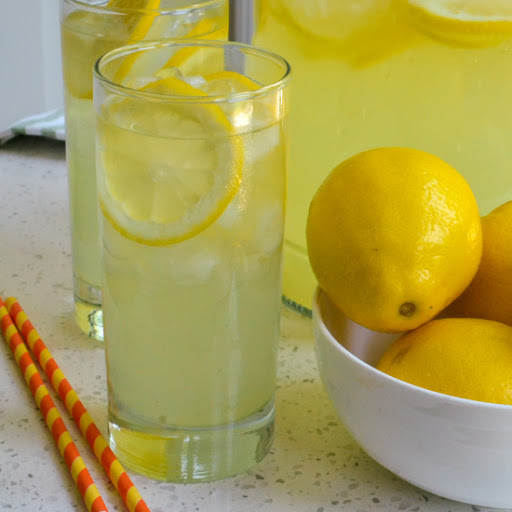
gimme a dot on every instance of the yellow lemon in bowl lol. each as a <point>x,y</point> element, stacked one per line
<point>393,236</point>
<point>463,357</point>
<point>489,294</point>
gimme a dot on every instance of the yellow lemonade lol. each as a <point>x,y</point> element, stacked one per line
<point>191,180</point>
<point>89,29</point>
<point>434,75</point>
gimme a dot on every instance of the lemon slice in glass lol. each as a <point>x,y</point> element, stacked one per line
<point>474,23</point>
<point>86,35</point>
<point>139,22</point>
<point>167,170</point>
<point>205,29</point>
<point>189,59</point>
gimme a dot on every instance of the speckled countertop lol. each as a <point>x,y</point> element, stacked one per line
<point>314,466</point>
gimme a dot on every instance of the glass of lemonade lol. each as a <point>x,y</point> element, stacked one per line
<point>90,28</point>
<point>434,75</point>
<point>191,172</point>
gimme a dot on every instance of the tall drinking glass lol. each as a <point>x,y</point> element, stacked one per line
<point>191,178</point>
<point>90,28</point>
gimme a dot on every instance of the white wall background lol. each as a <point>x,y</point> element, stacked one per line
<point>30,58</point>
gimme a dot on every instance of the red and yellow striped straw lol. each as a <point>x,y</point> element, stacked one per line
<point>54,422</point>
<point>89,430</point>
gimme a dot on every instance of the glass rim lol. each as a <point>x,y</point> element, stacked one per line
<point>184,6</point>
<point>124,90</point>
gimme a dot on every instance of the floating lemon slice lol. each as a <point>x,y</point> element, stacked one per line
<point>189,59</point>
<point>205,29</point>
<point>475,23</point>
<point>166,187</point>
<point>139,22</point>
<point>333,20</point>
<point>86,35</point>
<point>362,32</point>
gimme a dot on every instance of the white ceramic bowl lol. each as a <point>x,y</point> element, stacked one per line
<point>456,448</point>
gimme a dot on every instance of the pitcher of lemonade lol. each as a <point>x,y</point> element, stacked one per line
<point>434,75</point>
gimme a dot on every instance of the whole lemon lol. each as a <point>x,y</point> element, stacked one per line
<point>393,236</point>
<point>489,294</point>
<point>464,357</point>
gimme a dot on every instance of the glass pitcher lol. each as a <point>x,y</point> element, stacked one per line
<point>434,75</point>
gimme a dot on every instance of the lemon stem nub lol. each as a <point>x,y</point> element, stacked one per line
<point>407,309</point>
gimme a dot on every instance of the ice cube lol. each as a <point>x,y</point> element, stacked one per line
<point>193,268</point>
<point>268,232</point>
<point>170,72</point>
<point>196,81</point>
<point>231,215</point>
<point>141,81</point>
<point>222,87</point>
<point>264,141</point>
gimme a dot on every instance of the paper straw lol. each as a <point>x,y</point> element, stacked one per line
<point>89,430</point>
<point>54,422</point>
